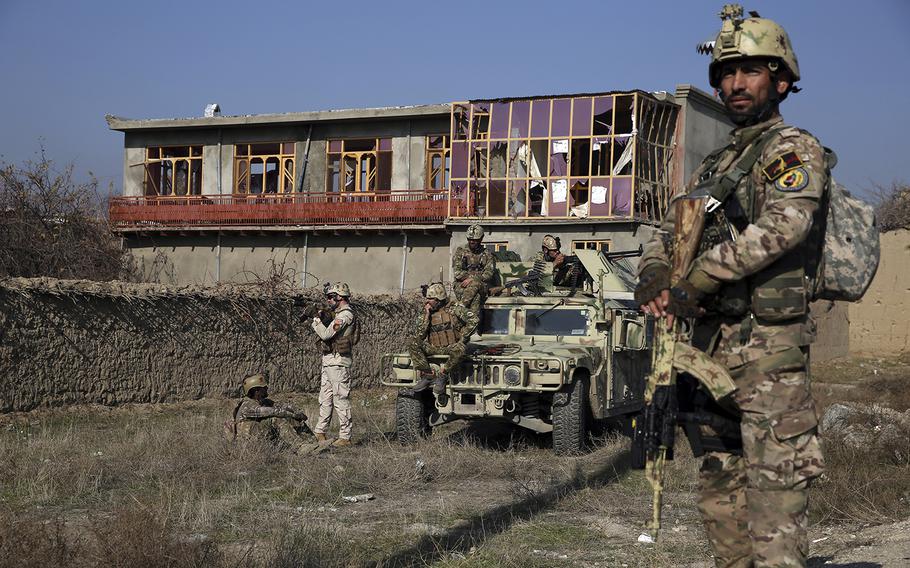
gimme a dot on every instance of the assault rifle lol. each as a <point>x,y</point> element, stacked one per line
<point>311,309</point>
<point>655,427</point>
<point>528,285</point>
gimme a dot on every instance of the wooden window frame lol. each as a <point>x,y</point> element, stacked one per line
<point>496,246</point>
<point>604,245</point>
<point>243,161</point>
<point>445,158</point>
<point>367,179</point>
<point>155,157</point>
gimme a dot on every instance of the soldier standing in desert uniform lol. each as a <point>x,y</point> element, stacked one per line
<point>443,328</point>
<point>258,417</point>
<point>747,291</point>
<point>337,339</point>
<point>472,267</point>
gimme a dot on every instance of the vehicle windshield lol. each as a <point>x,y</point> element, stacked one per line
<point>495,322</point>
<point>548,321</point>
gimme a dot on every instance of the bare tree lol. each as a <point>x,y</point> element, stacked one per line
<point>50,225</point>
<point>892,209</point>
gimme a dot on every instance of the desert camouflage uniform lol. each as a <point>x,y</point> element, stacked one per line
<point>464,323</point>
<point>274,422</point>
<point>755,505</point>
<point>479,268</point>
<point>335,388</point>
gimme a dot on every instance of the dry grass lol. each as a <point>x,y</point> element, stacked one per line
<point>156,486</point>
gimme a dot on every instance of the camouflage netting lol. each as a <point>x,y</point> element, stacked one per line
<point>69,341</point>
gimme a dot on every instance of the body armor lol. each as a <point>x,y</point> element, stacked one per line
<point>342,343</point>
<point>473,262</point>
<point>775,294</point>
<point>442,330</point>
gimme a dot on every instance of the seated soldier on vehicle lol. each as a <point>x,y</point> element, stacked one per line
<point>257,417</point>
<point>442,329</point>
<point>566,269</point>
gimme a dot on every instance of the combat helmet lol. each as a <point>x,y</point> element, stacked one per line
<point>254,381</point>
<point>550,242</point>
<point>755,36</point>
<point>475,232</point>
<point>436,291</point>
<point>340,288</point>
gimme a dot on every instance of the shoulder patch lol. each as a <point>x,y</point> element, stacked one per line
<point>794,180</point>
<point>781,164</point>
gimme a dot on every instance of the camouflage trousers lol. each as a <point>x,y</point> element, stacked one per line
<point>285,433</point>
<point>420,350</point>
<point>334,398</point>
<point>471,296</point>
<point>755,506</point>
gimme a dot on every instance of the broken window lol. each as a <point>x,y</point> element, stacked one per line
<point>359,165</point>
<point>496,246</point>
<point>439,162</point>
<point>563,157</point>
<point>264,168</point>
<point>173,170</point>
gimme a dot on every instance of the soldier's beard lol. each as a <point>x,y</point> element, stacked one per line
<point>754,114</point>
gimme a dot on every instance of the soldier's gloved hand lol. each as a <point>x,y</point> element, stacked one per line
<point>653,280</point>
<point>299,415</point>
<point>684,298</point>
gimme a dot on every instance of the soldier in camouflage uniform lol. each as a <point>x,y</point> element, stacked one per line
<point>472,268</point>
<point>549,252</point>
<point>258,417</point>
<point>337,339</point>
<point>442,329</point>
<point>747,291</point>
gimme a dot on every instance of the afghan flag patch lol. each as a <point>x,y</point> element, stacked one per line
<point>781,164</point>
<point>794,180</point>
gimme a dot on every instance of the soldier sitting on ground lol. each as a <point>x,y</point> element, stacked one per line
<point>442,329</point>
<point>257,417</point>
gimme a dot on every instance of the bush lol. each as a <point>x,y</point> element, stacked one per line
<point>893,206</point>
<point>50,225</point>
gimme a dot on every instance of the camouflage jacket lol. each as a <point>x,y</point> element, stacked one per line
<point>784,188</point>
<point>249,409</point>
<point>467,322</point>
<point>466,263</point>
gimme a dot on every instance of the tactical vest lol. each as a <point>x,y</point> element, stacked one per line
<point>442,329</point>
<point>779,292</point>
<point>343,343</point>
<point>473,262</point>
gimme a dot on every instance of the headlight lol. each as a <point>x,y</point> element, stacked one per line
<point>512,375</point>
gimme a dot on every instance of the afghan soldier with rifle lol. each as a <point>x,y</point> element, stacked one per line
<point>735,257</point>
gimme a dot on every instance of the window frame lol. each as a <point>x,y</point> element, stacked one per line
<point>193,159</point>
<point>286,155</point>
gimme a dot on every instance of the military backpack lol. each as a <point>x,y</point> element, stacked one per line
<point>850,247</point>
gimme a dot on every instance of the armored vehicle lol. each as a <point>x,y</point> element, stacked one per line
<point>545,357</point>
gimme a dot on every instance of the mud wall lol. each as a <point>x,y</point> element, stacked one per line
<point>65,342</point>
<point>880,322</point>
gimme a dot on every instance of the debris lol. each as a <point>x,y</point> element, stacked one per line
<point>645,538</point>
<point>820,539</point>
<point>359,498</point>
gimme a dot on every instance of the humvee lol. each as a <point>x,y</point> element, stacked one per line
<point>547,358</point>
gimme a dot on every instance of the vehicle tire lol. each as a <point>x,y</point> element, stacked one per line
<point>570,418</point>
<point>412,418</point>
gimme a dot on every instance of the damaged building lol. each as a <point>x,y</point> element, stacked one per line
<point>381,197</point>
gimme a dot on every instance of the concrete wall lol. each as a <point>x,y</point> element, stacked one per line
<point>408,143</point>
<point>703,127</point>
<point>369,262</point>
<point>880,322</point>
<point>77,342</point>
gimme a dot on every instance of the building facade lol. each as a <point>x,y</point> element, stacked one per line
<point>381,197</point>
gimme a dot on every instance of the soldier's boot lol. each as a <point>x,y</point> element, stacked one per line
<point>426,379</point>
<point>342,442</point>
<point>439,389</point>
<point>320,437</point>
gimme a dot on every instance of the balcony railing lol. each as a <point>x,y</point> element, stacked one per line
<point>395,207</point>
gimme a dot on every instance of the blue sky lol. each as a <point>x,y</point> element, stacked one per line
<point>66,64</point>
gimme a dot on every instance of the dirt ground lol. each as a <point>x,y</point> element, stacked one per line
<point>474,494</point>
